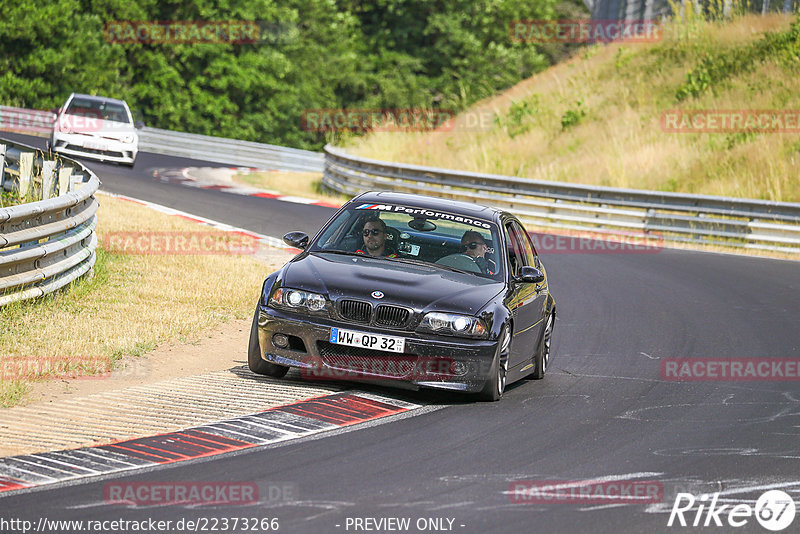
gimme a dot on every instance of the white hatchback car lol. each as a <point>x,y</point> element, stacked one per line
<point>96,127</point>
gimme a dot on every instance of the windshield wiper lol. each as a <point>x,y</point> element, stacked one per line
<point>429,264</point>
<point>334,251</point>
<point>348,253</point>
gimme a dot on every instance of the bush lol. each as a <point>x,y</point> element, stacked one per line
<point>573,116</point>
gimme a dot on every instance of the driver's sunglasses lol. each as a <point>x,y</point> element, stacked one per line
<point>374,231</point>
<point>476,244</point>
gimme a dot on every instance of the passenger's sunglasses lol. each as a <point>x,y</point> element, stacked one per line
<point>475,244</point>
<point>374,231</point>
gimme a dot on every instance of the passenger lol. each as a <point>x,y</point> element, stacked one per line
<point>474,246</point>
<point>374,233</point>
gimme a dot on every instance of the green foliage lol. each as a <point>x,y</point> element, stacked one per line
<point>714,68</point>
<point>318,54</point>
<point>573,116</point>
<point>622,58</point>
<point>731,140</point>
<point>8,198</point>
<point>515,121</point>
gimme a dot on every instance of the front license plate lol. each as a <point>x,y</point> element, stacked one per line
<point>368,341</point>
<point>94,145</point>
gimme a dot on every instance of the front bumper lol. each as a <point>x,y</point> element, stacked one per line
<point>428,361</point>
<point>100,148</point>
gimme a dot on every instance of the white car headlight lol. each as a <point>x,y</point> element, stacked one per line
<point>127,139</point>
<point>453,324</point>
<point>297,299</point>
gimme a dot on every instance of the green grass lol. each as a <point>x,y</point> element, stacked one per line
<point>130,305</point>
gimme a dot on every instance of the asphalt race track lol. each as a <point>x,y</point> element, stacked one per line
<point>257,214</point>
<point>603,412</point>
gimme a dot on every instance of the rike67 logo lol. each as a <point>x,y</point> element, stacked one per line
<point>774,510</point>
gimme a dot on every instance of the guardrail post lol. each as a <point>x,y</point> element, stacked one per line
<point>25,173</point>
<point>64,182</point>
<point>48,177</point>
<point>2,166</point>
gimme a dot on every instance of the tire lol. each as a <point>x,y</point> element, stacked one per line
<point>542,358</point>
<point>496,384</point>
<point>255,362</point>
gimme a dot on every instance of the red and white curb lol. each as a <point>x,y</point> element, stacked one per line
<point>275,425</point>
<point>183,176</point>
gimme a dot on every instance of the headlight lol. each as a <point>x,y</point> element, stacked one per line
<point>297,299</point>
<point>452,324</point>
<point>127,139</point>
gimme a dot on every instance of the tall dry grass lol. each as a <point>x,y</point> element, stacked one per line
<point>132,303</point>
<point>595,119</point>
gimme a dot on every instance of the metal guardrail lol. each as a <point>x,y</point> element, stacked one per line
<point>171,143</point>
<point>44,244</point>
<point>748,223</point>
<point>30,121</point>
<point>231,151</point>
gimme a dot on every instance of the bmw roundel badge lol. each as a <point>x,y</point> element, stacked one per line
<point>377,294</point>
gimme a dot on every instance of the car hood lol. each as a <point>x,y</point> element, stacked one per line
<point>97,127</point>
<point>420,287</point>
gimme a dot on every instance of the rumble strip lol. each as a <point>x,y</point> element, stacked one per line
<point>279,424</point>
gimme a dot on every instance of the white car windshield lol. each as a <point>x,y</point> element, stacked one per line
<point>98,109</point>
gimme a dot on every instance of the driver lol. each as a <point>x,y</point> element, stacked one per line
<point>474,246</point>
<point>374,234</point>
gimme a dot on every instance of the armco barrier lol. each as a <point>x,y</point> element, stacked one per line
<point>168,142</point>
<point>46,243</point>
<point>748,223</point>
<point>229,151</point>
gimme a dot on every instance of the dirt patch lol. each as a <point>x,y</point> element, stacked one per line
<point>216,349</point>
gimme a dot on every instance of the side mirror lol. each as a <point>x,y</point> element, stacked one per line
<point>138,125</point>
<point>296,240</point>
<point>530,275</point>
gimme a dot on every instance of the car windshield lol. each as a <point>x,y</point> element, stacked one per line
<point>447,241</point>
<point>98,109</point>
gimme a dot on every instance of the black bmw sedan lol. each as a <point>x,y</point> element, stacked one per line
<point>410,291</point>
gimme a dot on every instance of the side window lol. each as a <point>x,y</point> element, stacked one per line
<point>526,246</point>
<point>529,240</point>
<point>334,235</point>
<point>515,254</point>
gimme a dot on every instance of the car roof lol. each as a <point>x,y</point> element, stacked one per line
<point>432,203</point>
<point>99,98</point>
